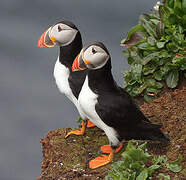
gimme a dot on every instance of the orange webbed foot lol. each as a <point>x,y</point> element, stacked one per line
<point>78,132</point>
<point>90,124</point>
<point>107,149</point>
<point>101,161</point>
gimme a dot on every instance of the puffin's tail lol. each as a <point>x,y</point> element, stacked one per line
<point>149,131</point>
<point>145,130</point>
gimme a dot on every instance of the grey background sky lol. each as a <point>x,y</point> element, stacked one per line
<point>30,104</point>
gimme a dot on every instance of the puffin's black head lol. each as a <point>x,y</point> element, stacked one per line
<point>62,34</point>
<point>93,56</point>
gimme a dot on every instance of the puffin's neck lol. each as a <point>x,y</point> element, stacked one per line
<point>68,53</point>
<point>101,80</point>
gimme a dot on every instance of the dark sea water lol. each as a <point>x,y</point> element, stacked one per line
<point>30,103</point>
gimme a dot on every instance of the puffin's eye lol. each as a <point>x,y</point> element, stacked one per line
<point>59,28</point>
<point>94,51</point>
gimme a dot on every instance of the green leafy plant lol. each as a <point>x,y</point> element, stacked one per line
<point>163,161</point>
<point>138,164</point>
<point>162,176</point>
<point>156,50</point>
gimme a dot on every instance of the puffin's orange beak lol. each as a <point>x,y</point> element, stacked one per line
<point>78,64</point>
<point>45,41</point>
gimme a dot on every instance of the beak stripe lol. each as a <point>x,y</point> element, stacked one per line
<point>78,67</point>
<point>78,64</point>
<point>41,43</point>
<point>45,41</point>
<point>74,65</point>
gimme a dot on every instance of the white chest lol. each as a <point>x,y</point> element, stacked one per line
<point>61,75</point>
<point>87,99</point>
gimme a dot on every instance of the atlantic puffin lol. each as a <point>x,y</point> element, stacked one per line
<point>108,106</point>
<point>67,36</point>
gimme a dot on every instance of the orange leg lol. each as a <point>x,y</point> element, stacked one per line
<point>107,148</point>
<point>101,160</point>
<point>90,124</point>
<point>78,132</point>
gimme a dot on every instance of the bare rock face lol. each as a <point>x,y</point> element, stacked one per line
<point>68,158</point>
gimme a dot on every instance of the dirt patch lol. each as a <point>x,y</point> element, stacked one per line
<point>170,110</point>
<point>68,158</point>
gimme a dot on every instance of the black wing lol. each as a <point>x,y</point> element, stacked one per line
<point>117,109</point>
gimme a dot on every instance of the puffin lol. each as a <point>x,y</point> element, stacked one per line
<point>67,36</point>
<point>108,106</point>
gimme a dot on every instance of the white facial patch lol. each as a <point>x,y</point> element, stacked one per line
<point>96,56</point>
<point>63,34</point>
